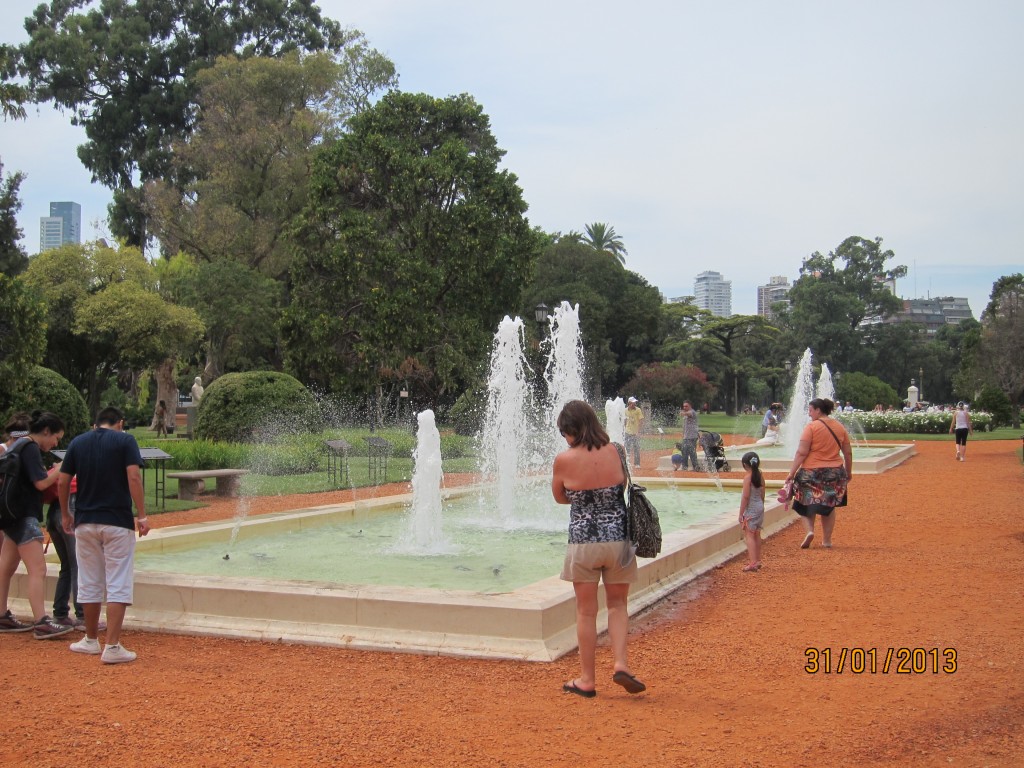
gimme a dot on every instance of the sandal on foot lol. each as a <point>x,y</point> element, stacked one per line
<point>571,687</point>
<point>627,681</point>
<point>751,567</point>
<point>807,540</point>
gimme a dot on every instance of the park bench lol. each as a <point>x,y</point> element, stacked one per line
<point>191,484</point>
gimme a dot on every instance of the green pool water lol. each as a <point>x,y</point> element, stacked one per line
<point>781,452</point>
<point>367,550</point>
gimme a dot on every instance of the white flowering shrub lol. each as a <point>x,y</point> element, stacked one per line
<point>920,422</point>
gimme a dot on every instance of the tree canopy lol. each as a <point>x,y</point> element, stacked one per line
<point>828,302</point>
<point>413,245</point>
<point>620,312</point>
<point>127,72</point>
<point>13,258</point>
<point>104,314</point>
<point>1002,341</point>
<point>243,174</point>
<point>602,237</point>
<point>22,332</point>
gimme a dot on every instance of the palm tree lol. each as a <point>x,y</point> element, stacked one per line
<point>601,237</point>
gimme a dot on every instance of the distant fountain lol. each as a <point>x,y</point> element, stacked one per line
<point>825,389</point>
<point>796,415</point>
<point>615,419</point>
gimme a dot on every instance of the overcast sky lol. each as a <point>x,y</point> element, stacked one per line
<point>732,136</point>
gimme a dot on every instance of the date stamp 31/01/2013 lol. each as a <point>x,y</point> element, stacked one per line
<point>873,661</point>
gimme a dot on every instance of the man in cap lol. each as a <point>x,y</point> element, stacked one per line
<point>634,425</point>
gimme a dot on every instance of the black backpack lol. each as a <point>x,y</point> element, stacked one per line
<point>11,483</point>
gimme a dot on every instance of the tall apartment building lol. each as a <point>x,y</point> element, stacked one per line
<point>63,225</point>
<point>712,293</point>
<point>775,291</point>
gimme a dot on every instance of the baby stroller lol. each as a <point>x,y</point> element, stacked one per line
<point>714,451</point>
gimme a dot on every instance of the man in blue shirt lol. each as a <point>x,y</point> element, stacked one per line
<point>108,464</point>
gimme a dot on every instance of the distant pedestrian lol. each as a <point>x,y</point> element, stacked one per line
<point>690,434</point>
<point>960,426</point>
<point>634,427</point>
<point>771,418</point>
<point>161,419</point>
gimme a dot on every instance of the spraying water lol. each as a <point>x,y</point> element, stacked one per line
<point>803,393</point>
<point>615,418</point>
<point>425,535</point>
<point>825,388</point>
<point>505,440</point>
<point>564,371</point>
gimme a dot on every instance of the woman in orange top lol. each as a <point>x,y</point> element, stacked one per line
<point>819,473</point>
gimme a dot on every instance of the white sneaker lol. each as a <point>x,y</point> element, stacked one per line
<point>117,654</point>
<point>88,645</point>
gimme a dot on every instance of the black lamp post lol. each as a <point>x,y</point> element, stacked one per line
<point>540,314</point>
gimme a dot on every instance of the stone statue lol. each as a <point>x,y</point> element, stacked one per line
<point>197,390</point>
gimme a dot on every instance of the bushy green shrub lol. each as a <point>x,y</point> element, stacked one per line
<point>466,414</point>
<point>202,454</point>
<point>865,391</point>
<point>255,406</point>
<point>997,403</point>
<point>920,422</point>
<point>44,390</point>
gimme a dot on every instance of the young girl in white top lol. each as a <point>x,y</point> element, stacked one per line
<point>752,509</point>
<point>961,424</point>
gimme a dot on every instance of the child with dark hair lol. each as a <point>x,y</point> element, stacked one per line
<point>752,509</point>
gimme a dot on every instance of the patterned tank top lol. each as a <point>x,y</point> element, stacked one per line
<point>597,515</point>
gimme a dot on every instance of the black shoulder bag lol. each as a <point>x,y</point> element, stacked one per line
<point>643,527</point>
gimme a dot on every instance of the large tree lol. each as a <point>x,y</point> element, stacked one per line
<point>13,258</point>
<point>833,296</point>
<point>12,95</point>
<point>731,350</point>
<point>247,164</point>
<point>105,315</point>
<point>126,71</point>
<point>620,312</point>
<point>1002,341</point>
<point>22,333</point>
<point>413,245</point>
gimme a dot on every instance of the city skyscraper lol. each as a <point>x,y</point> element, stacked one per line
<point>775,291</point>
<point>63,225</point>
<point>712,293</point>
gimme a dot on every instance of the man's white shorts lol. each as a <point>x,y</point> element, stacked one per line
<point>106,557</point>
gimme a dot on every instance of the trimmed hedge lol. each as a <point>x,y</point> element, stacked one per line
<point>255,406</point>
<point>920,422</point>
<point>44,390</point>
<point>292,454</point>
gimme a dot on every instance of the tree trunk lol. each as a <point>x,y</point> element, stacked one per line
<point>166,390</point>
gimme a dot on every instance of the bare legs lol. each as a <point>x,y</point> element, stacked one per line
<point>828,524</point>
<point>30,553</point>
<point>586,628</point>
<point>753,548</point>
<point>586,632</point>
